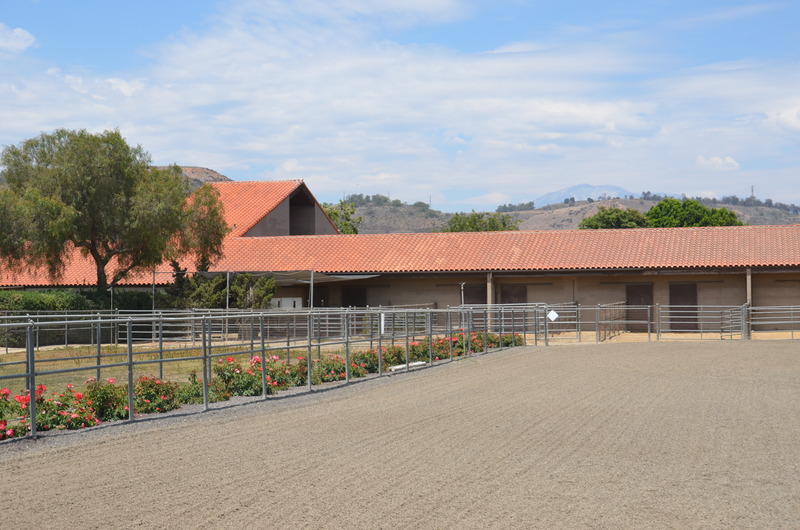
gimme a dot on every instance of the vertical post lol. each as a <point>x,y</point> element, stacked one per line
<point>379,350</point>
<point>597,324</point>
<point>745,327</point>
<point>408,346</point>
<point>502,326</point>
<point>658,322</point>
<point>430,337</point>
<point>308,352</point>
<point>544,320</point>
<point>264,389</point>
<point>487,327</point>
<point>450,332</point>
<point>347,347</point>
<point>468,333</point>
<point>252,332</point>
<point>99,347</point>
<point>513,328</point>
<point>160,345</point>
<point>649,310</point>
<point>578,320</point>
<point>30,353</point>
<point>371,324</point>
<point>129,330</point>
<point>206,370</point>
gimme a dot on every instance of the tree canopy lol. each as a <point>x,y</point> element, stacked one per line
<point>615,218</point>
<point>481,222</point>
<point>343,215</point>
<point>667,213</point>
<point>94,192</point>
<point>672,212</point>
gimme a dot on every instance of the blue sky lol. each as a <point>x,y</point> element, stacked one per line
<point>466,103</point>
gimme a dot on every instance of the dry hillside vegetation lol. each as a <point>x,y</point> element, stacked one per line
<point>404,219</point>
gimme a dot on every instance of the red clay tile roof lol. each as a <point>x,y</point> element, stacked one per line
<point>246,203</point>
<point>570,250</point>
<point>646,248</point>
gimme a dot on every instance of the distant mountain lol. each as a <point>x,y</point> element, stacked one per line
<point>581,192</point>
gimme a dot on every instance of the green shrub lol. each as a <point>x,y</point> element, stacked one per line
<point>154,395</point>
<point>54,300</point>
<point>109,400</point>
<point>67,410</point>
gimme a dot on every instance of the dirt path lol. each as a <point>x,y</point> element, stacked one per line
<point>690,435</point>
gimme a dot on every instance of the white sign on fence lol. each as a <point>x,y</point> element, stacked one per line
<point>552,315</point>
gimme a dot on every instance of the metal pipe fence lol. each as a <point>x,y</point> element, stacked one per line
<point>58,348</point>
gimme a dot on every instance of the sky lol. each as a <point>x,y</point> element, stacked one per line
<point>465,104</point>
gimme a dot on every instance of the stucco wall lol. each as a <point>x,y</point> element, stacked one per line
<point>713,289</point>
<point>276,223</point>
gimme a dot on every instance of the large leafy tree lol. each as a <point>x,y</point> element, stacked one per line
<point>614,218</point>
<point>667,213</point>
<point>94,192</point>
<point>343,216</point>
<point>688,212</point>
<point>481,222</point>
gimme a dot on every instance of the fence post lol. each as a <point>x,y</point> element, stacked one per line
<point>485,329</point>
<point>263,357</point>
<point>30,353</point>
<point>160,345</point>
<point>379,351</point>
<point>308,358</point>
<point>430,337</point>
<point>99,341</point>
<point>745,323</point>
<point>206,370</point>
<point>545,319</point>
<point>408,346</point>
<point>658,322</point>
<point>578,320</point>
<point>597,324</point>
<point>129,329</point>
<point>347,347</point>
<point>468,333</point>
<point>649,310</point>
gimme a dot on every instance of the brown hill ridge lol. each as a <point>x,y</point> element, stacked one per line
<point>197,176</point>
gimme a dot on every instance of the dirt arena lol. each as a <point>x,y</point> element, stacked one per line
<point>661,435</point>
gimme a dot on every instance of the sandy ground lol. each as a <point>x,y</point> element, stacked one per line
<point>661,435</point>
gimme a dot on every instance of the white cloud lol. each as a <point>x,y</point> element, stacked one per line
<point>15,40</point>
<point>128,88</point>
<point>311,89</point>
<point>788,117</point>
<point>717,163</point>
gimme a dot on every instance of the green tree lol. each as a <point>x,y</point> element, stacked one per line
<point>674,213</point>
<point>481,222</point>
<point>94,192</point>
<point>343,216</point>
<point>246,291</point>
<point>203,228</point>
<point>614,218</point>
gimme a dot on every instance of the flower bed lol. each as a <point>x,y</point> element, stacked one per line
<point>107,400</point>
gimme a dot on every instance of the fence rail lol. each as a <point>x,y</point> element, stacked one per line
<point>57,346</point>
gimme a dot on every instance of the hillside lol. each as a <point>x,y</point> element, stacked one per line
<point>197,176</point>
<point>393,218</point>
